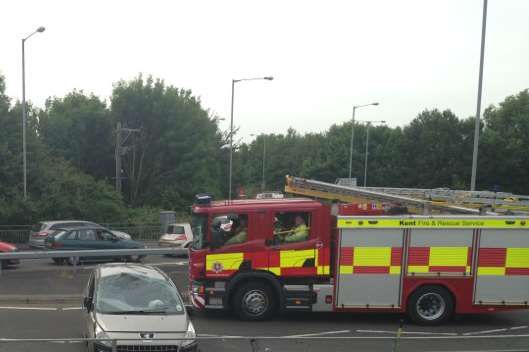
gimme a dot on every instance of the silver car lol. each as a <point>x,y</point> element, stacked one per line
<point>139,302</point>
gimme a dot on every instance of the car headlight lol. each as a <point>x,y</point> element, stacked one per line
<point>101,334</point>
<point>190,334</point>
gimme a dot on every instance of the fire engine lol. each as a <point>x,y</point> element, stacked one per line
<point>427,266</point>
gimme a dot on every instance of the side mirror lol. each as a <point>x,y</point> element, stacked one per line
<point>87,302</point>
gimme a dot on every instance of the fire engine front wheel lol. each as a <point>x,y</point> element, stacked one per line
<point>430,305</point>
<point>254,301</point>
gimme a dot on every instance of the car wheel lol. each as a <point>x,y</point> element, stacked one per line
<point>254,301</point>
<point>74,261</point>
<point>430,305</point>
<point>135,258</point>
<point>58,261</point>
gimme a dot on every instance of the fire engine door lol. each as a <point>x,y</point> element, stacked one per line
<point>369,268</point>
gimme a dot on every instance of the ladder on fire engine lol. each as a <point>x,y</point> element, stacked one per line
<point>349,194</point>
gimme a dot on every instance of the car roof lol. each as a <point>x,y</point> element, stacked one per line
<point>82,228</point>
<point>111,269</point>
<point>54,222</point>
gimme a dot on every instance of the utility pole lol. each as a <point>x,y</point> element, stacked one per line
<point>121,150</point>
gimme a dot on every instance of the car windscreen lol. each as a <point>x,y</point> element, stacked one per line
<point>176,230</point>
<point>137,293</point>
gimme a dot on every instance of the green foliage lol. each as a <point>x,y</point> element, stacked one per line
<point>79,128</point>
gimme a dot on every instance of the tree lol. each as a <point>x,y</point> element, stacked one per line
<point>78,127</point>
<point>175,153</point>
<point>504,158</point>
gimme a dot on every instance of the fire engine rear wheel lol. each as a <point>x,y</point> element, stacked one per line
<point>430,305</point>
<point>254,301</point>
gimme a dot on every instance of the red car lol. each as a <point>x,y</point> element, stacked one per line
<point>8,247</point>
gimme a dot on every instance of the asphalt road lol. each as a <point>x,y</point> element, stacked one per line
<point>47,319</point>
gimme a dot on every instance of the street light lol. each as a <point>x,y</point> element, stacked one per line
<point>24,159</point>
<point>478,108</point>
<point>233,81</point>
<point>264,161</point>
<point>352,134</point>
<point>368,124</point>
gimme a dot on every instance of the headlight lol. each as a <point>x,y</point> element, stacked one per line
<point>190,334</point>
<point>101,334</point>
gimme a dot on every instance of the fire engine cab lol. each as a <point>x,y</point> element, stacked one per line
<point>257,257</point>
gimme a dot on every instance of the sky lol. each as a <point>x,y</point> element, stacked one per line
<point>325,56</point>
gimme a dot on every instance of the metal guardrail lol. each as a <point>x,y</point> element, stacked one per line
<point>90,253</point>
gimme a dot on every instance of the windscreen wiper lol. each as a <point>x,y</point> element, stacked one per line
<point>138,312</point>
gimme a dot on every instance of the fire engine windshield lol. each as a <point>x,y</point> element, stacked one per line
<point>199,223</point>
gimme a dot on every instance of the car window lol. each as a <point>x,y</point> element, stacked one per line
<point>104,236</point>
<point>72,235</point>
<point>137,292</point>
<point>87,235</point>
<point>176,230</point>
<point>38,227</point>
<point>65,225</point>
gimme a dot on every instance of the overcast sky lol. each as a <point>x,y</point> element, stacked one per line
<point>325,56</point>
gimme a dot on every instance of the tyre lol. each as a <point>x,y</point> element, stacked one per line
<point>135,258</point>
<point>73,261</point>
<point>254,301</point>
<point>58,261</point>
<point>430,305</point>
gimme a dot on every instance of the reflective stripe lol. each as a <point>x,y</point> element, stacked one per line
<point>448,256</point>
<point>517,258</point>
<point>295,259</point>
<point>491,271</point>
<point>394,269</point>
<point>372,256</point>
<point>224,261</point>
<point>418,269</point>
<point>432,223</point>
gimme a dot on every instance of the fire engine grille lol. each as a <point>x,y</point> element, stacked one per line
<point>142,348</point>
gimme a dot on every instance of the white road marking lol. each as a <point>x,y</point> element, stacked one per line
<point>407,332</point>
<point>524,350</point>
<point>485,332</point>
<point>39,308</point>
<point>27,308</point>
<point>320,333</point>
<point>168,263</point>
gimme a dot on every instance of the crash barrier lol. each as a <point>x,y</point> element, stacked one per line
<point>142,232</point>
<point>394,343</point>
<point>75,255</point>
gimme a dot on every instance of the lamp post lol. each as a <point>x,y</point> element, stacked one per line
<point>478,108</point>
<point>368,124</point>
<point>24,118</point>
<point>233,81</point>
<point>353,134</point>
<point>263,183</point>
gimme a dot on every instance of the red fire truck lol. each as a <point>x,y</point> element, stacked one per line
<point>429,267</point>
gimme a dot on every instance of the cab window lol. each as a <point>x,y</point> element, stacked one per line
<point>291,227</point>
<point>229,229</point>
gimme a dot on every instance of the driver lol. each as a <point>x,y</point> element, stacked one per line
<point>240,234</point>
<point>299,233</point>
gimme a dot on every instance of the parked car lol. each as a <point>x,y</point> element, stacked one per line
<point>177,235</point>
<point>135,301</point>
<point>8,247</point>
<point>43,229</point>
<point>84,238</point>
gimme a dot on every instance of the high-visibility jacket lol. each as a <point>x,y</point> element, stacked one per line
<point>299,234</point>
<point>238,238</point>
